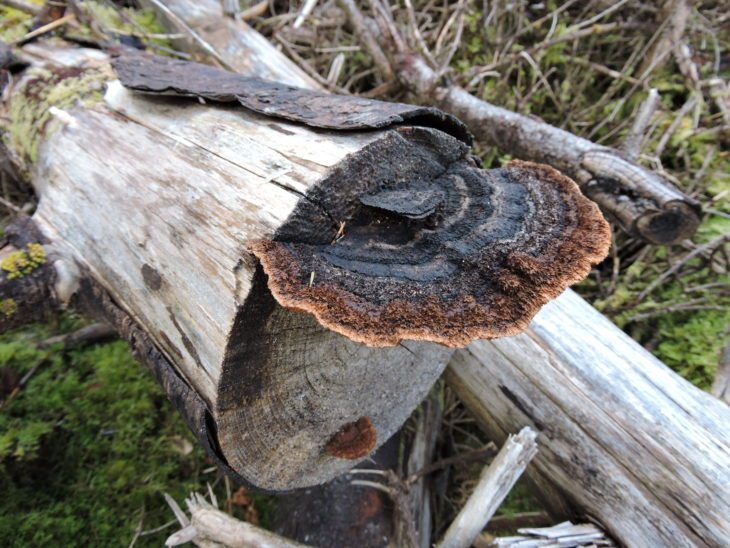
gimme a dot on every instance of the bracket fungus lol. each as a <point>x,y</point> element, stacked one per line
<point>464,255</point>
<point>407,238</point>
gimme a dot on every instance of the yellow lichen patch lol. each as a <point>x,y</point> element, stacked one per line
<point>29,117</point>
<point>8,307</point>
<point>22,262</point>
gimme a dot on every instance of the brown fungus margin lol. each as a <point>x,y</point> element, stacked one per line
<point>523,278</point>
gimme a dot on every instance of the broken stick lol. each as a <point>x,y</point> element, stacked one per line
<point>493,486</point>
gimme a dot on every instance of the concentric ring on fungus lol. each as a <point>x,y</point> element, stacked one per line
<point>470,254</point>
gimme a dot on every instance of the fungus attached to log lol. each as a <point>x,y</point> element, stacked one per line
<point>433,248</point>
<point>447,256</point>
<point>354,440</point>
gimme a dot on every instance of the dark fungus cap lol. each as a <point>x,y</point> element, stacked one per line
<point>471,254</point>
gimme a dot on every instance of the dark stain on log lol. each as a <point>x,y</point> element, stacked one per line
<point>511,396</point>
<point>152,278</point>
<point>354,440</point>
<point>248,353</point>
<point>187,343</point>
<point>164,75</point>
<point>433,247</point>
<point>277,127</point>
<point>170,346</point>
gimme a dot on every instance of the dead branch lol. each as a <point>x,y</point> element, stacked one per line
<point>208,526</point>
<point>640,201</point>
<point>494,485</point>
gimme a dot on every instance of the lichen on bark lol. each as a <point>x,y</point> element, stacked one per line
<point>22,262</point>
<point>29,115</point>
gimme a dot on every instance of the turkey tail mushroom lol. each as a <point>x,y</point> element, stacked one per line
<point>456,254</point>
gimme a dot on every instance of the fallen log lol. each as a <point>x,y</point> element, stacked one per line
<point>381,235</point>
<point>647,497</point>
<point>623,438</point>
<point>166,214</point>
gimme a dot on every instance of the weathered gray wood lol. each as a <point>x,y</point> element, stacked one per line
<point>621,436</point>
<point>168,202</point>
<point>210,527</point>
<point>495,483</point>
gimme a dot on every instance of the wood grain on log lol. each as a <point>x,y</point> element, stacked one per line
<point>621,436</point>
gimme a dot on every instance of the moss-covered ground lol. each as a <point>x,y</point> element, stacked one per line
<point>89,444</point>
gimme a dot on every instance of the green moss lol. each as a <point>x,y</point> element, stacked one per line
<point>88,447</point>
<point>126,21</point>
<point>29,118</point>
<point>14,24</point>
<point>8,307</point>
<point>22,262</point>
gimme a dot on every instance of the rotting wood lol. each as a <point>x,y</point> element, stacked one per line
<point>635,520</point>
<point>495,483</point>
<point>175,177</point>
<point>406,266</point>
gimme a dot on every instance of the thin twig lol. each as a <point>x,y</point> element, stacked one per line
<point>306,10</point>
<point>178,22</point>
<point>484,453</point>
<point>61,21</point>
<point>637,133</point>
<point>679,264</point>
<point>363,32</point>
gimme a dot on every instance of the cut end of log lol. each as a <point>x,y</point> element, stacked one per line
<point>469,254</point>
<point>677,221</point>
